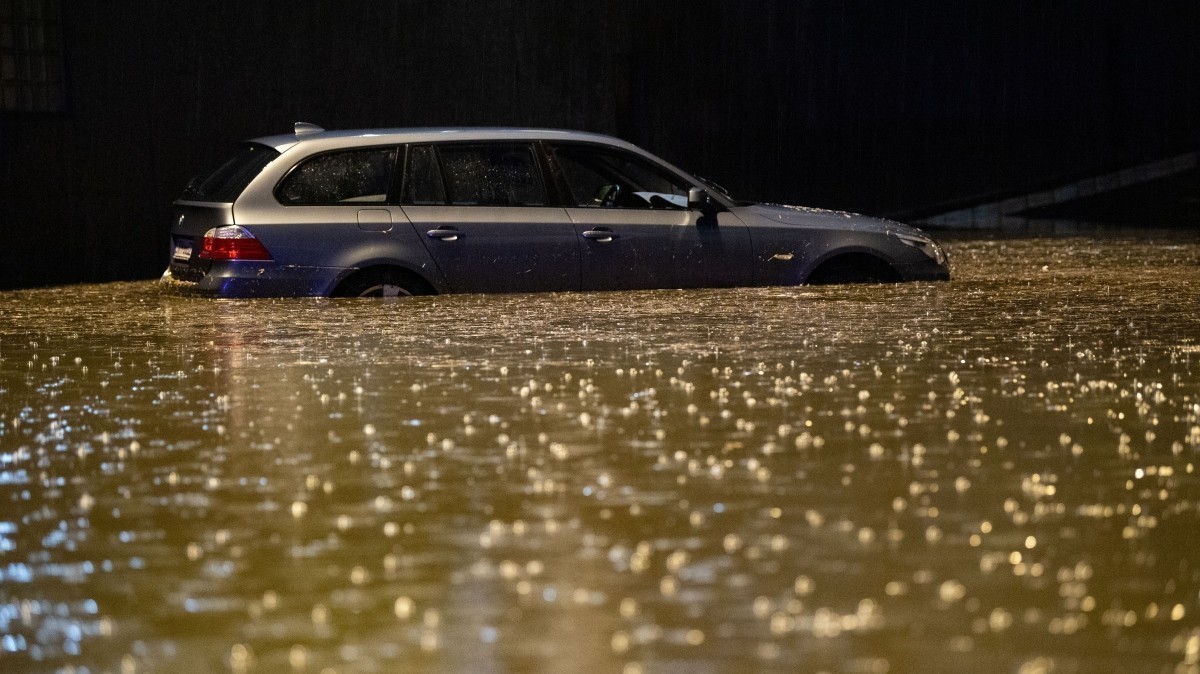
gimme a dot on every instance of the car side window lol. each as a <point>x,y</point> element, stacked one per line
<point>602,178</point>
<point>492,175</point>
<point>351,177</point>
<point>423,186</point>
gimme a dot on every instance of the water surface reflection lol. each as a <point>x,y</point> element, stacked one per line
<point>998,472</point>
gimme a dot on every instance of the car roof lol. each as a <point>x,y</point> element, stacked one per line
<point>356,137</point>
<point>309,139</point>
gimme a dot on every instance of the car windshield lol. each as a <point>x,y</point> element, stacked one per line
<point>227,182</point>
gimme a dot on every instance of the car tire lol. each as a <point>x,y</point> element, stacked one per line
<point>381,283</point>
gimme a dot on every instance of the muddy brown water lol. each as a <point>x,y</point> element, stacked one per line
<point>996,473</point>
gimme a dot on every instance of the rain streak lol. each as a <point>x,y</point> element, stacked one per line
<point>997,473</point>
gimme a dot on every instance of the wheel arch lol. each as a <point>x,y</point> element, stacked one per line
<point>419,280</point>
<point>852,265</point>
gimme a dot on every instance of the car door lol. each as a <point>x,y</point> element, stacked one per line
<point>632,218</point>
<point>483,212</point>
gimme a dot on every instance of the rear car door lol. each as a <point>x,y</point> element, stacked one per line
<point>635,228</point>
<point>483,212</point>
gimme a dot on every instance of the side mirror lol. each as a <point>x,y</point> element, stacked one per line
<point>698,199</point>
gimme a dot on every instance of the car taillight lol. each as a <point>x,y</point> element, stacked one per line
<point>232,243</point>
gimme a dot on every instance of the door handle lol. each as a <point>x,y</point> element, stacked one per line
<point>443,233</point>
<point>599,235</point>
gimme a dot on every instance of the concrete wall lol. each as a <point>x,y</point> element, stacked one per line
<point>884,108</point>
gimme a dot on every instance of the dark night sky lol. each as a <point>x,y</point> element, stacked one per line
<point>885,108</point>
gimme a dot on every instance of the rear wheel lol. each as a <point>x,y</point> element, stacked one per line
<point>382,283</point>
<point>853,268</point>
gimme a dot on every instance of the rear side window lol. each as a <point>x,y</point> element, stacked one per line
<point>350,177</point>
<point>492,175</point>
<point>424,185</point>
<point>227,182</point>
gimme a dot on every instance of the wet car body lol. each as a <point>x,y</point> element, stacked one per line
<point>421,211</point>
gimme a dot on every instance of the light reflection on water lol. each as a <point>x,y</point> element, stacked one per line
<point>998,472</point>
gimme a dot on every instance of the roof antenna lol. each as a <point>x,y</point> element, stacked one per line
<point>304,128</point>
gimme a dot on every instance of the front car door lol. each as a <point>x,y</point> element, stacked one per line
<point>637,232</point>
<point>483,211</point>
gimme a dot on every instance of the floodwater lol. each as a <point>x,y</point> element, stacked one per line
<point>997,473</point>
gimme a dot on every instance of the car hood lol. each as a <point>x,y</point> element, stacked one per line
<point>804,216</point>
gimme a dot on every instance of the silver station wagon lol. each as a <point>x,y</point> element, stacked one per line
<point>389,212</point>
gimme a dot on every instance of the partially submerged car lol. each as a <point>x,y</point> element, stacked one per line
<point>389,212</point>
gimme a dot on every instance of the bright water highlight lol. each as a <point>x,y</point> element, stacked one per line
<point>998,473</point>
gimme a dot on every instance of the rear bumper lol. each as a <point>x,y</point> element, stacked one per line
<point>261,279</point>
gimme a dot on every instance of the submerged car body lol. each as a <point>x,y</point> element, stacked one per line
<point>421,211</point>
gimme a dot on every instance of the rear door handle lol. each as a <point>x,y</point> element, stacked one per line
<point>443,233</point>
<point>600,234</point>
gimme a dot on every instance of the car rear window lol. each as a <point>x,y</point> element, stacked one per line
<point>227,182</point>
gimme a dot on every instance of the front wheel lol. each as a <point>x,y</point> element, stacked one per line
<point>853,268</point>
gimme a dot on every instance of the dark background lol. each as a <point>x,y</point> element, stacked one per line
<point>889,108</point>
